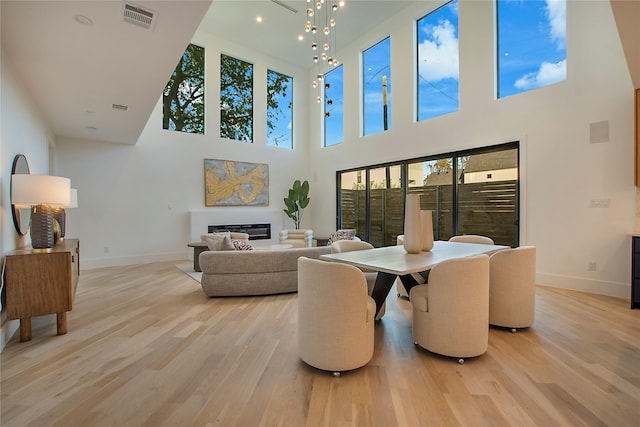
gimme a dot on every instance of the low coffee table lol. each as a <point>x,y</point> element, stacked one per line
<point>198,248</point>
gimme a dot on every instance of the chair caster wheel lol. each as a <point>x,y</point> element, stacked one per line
<point>513,330</point>
<point>415,343</point>
<point>336,374</point>
<point>461,361</point>
<point>399,295</point>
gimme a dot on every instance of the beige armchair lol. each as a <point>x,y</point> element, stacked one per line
<point>512,294</point>
<point>370,275</point>
<point>297,238</point>
<point>335,316</point>
<point>472,238</point>
<point>451,313</point>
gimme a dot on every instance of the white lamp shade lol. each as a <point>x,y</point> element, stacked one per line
<point>73,199</point>
<point>40,189</point>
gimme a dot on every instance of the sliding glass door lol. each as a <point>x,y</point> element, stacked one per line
<point>469,192</point>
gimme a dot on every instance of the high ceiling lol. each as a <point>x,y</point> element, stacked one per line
<point>283,21</point>
<point>80,61</point>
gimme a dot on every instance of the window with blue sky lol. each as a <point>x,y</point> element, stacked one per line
<point>279,110</point>
<point>531,47</point>
<point>437,62</point>
<point>376,84</point>
<point>333,107</point>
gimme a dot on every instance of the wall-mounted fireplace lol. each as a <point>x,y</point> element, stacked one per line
<point>255,231</point>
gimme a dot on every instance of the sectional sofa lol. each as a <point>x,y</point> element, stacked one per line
<point>258,272</point>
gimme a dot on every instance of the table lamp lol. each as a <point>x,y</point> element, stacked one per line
<point>43,193</point>
<point>60,213</point>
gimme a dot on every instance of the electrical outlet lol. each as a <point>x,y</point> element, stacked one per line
<point>599,203</point>
<point>591,266</point>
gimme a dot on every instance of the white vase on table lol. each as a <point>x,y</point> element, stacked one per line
<point>427,230</point>
<point>412,224</point>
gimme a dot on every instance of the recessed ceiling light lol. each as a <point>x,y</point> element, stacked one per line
<point>259,19</point>
<point>84,20</point>
<point>300,37</point>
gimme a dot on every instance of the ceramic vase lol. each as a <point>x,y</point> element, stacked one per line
<point>412,224</point>
<point>427,230</point>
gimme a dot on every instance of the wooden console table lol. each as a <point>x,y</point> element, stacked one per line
<point>40,283</point>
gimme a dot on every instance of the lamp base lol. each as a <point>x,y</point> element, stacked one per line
<point>42,236</point>
<point>60,215</point>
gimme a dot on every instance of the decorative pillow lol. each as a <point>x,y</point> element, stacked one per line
<point>347,234</point>
<point>215,235</point>
<point>241,246</point>
<point>226,245</point>
<point>213,243</point>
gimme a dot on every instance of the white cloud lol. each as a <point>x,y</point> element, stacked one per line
<point>557,14</point>
<point>546,75</point>
<point>440,56</point>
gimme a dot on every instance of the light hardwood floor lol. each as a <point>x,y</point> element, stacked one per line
<point>145,347</point>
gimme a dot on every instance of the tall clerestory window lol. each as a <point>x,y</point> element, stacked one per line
<point>531,49</point>
<point>279,110</point>
<point>183,96</point>
<point>376,83</point>
<point>437,62</point>
<point>333,107</point>
<point>236,99</point>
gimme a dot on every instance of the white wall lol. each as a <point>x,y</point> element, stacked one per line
<point>135,201</point>
<point>561,171</point>
<point>22,131</point>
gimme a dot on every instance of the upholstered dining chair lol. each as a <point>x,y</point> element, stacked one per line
<point>512,294</point>
<point>472,238</point>
<point>451,312</point>
<point>297,238</point>
<point>335,316</point>
<point>358,245</point>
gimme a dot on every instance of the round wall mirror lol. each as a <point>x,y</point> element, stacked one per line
<point>21,215</point>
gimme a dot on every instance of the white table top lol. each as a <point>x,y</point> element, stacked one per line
<point>395,260</point>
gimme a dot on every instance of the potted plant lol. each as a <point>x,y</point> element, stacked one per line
<point>297,200</point>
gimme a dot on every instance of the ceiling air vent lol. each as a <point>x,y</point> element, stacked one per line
<point>139,16</point>
<point>119,107</point>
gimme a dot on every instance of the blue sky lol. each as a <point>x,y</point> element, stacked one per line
<point>531,44</point>
<point>531,53</point>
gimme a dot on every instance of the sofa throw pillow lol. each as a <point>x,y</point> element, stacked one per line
<point>220,235</point>
<point>213,243</point>
<point>346,234</point>
<point>241,246</point>
<point>226,245</point>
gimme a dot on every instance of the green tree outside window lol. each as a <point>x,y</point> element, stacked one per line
<point>183,96</point>
<point>236,99</point>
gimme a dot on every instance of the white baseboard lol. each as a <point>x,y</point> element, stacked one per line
<point>91,263</point>
<point>6,332</point>
<point>612,289</point>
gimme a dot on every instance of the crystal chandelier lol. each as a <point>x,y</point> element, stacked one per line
<point>321,22</point>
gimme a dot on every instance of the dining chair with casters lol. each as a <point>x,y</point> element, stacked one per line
<point>451,312</point>
<point>335,316</point>
<point>371,275</point>
<point>472,238</point>
<point>512,294</point>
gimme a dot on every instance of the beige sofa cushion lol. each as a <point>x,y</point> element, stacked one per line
<point>264,272</point>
